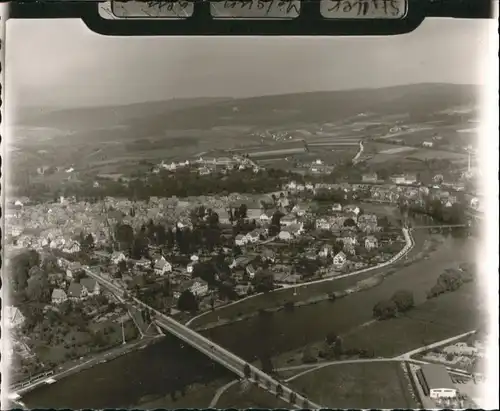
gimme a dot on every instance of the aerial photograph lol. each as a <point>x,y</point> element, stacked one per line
<point>243,223</point>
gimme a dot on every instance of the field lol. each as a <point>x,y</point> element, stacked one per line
<point>437,319</point>
<point>380,153</point>
<point>381,385</point>
<point>250,396</point>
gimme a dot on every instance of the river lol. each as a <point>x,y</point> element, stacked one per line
<point>166,365</point>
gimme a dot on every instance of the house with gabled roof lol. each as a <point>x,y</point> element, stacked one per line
<point>58,296</point>
<point>339,260</point>
<point>91,285</point>
<point>268,255</point>
<point>253,236</point>
<point>371,242</point>
<point>288,220</point>
<point>162,266</point>
<point>13,316</point>
<point>77,291</point>
<point>240,240</point>
<point>250,271</point>
<point>117,257</point>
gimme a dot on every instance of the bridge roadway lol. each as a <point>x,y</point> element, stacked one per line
<point>214,351</point>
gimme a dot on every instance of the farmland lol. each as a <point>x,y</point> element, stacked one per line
<point>381,385</point>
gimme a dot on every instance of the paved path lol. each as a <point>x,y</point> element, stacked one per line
<point>221,391</point>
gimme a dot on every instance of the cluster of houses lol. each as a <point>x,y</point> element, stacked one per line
<point>68,287</point>
<point>180,277</point>
<point>206,166</point>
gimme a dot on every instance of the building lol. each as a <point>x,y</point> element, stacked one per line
<point>250,271</point>
<point>288,220</point>
<point>162,266</point>
<point>436,382</point>
<point>427,144</point>
<point>13,315</point>
<point>285,235</point>
<point>91,285</point>
<point>58,296</point>
<point>240,240</point>
<point>460,348</point>
<point>199,288</point>
<point>117,257</point>
<point>339,260</point>
<point>76,291</point>
<point>371,242</point>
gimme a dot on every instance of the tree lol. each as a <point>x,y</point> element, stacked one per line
<point>264,281</point>
<point>338,347</point>
<point>38,288</point>
<point>20,265</point>
<point>450,280</point>
<point>122,266</point>
<point>349,222</point>
<point>124,234</point>
<point>187,302</point>
<point>293,397</point>
<point>247,371</point>
<point>308,357</point>
<point>404,300</point>
<point>331,337</point>
<point>279,390</point>
<point>385,309</point>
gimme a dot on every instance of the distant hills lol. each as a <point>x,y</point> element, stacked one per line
<point>153,119</point>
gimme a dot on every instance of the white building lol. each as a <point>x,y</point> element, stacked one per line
<point>339,260</point>
<point>371,242</point>
<point>162,266</point>
<point>13,316</point>
<point>199,288</point>
<point>285,235</point>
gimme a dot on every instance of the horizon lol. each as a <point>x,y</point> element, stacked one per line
<point>82,68</point>
<point>222,97</point>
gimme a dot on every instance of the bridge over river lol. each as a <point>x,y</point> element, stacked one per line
<point>217,353</point>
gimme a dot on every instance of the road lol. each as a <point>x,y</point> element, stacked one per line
<point>358,154</point>
<point>407,356</point>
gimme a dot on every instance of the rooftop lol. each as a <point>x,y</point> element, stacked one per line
<point>436,376</point>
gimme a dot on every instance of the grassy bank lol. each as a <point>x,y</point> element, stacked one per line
<point>194,396</point>
<point>436,319</point>
<point>249,396</point>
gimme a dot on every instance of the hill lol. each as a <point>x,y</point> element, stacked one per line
<point>154,118</point>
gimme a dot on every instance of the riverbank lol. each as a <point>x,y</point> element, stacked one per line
<point>76,366</point>
<point>314,292</point>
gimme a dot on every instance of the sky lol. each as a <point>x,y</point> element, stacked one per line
<point>61,63</point>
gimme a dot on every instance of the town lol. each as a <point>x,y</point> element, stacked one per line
<point>186,255</point>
